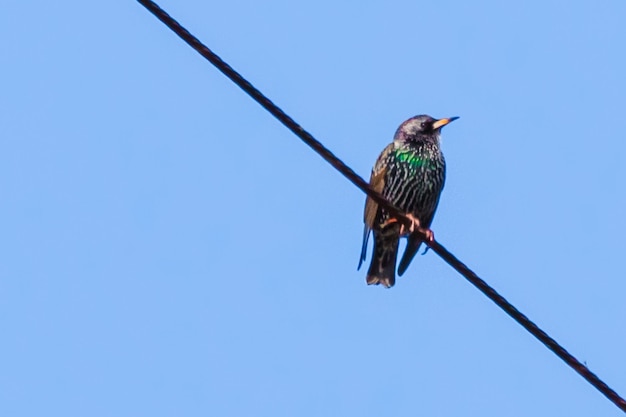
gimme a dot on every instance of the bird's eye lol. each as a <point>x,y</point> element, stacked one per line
<point>423,125</point>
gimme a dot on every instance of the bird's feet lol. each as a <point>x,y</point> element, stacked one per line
<point>415,225</point>
<point>430,236</point>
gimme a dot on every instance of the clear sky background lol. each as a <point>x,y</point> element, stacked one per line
<point>169,249</point>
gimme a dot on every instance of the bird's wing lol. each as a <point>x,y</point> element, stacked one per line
<point>377,181</point>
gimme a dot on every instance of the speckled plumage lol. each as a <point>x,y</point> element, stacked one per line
<point>410,172</point>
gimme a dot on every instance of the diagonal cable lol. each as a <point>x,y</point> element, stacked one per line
<point>339,165</point>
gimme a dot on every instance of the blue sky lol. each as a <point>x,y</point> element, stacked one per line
<point>168,248</point>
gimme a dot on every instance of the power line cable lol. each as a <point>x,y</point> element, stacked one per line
<point>340,166</point>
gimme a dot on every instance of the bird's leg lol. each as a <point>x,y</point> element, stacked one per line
<point>389,222</point>
<point>415,225</point>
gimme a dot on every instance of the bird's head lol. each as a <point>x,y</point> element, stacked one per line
<point>421,128</point>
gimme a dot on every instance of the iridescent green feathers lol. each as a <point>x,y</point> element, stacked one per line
<point>404,156</point>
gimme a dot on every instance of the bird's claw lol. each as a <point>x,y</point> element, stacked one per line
<point>416,225</point>
<point>430,236</point>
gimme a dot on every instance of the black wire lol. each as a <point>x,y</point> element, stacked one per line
<point>307,138</point>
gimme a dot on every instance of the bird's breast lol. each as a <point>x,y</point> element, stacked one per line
<point>415,178</point>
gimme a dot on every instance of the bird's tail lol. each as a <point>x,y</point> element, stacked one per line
<point>366,235</point>
<point>412,246</point>
<point>383,266</point>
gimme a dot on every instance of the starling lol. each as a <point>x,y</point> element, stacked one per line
<point>410,173</point>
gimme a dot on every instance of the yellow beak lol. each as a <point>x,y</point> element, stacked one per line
<point>442,122</point>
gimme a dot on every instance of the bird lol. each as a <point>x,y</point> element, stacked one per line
<point>410,173</point>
